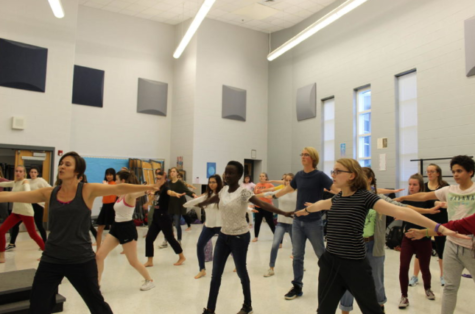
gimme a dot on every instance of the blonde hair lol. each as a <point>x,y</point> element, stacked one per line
<point>359,182</point>
<point>313,154</point>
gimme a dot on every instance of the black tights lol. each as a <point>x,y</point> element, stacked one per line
<point>269,217</point>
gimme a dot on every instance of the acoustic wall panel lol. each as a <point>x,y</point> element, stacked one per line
<point>470,46</point>
<point>152,97</point>
<point>307,102</point>
<point>234,103</point>
<point>22,66</point>
<point>88,86</point>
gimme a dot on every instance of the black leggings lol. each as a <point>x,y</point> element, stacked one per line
<point>439,246</point>
<point>82,276</point>
<point>39,210</point>
<point>161,223</point>
<point>269,216</point>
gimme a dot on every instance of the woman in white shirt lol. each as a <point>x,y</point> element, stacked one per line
<point>212,224</point>
<point>287,203</point>
<point>21,212</point>
<point>234,236</point>
<point>35,183</point>
<point>124,232</point>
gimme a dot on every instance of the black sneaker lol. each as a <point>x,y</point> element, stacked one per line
<point>246,309</point>
<point>10,247</point>
<point>206,311</point>
<point>295,292</point>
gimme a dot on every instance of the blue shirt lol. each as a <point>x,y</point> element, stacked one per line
<point>309,188</point>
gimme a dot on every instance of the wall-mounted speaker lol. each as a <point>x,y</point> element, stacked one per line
<point>22,66</point>
<point>470,46</point>
<point>307,102</point>
<point>88,86</point>
<point>234,103</point>
<point>152,97</point>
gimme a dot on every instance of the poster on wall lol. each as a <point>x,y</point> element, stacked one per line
<point>179,162</point>
<point>342,150</point>
<point>210,169</point>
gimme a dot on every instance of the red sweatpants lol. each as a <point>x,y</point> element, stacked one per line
<point>11,221</point>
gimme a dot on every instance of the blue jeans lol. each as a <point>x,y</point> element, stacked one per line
<point>377,266</point>
<point>280,231</point>
<point>205,236</point>
<point>227,244</point>
<point>301,231</point>
<point>177,222</point>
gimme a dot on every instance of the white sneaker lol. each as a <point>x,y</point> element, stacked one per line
<point>413,281</point>
<point>403,303</point>
<point>147,285</point>
<point>163,245</point>
<point>270,272</point>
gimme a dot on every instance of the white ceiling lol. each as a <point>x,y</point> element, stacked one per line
<point>262,15</point>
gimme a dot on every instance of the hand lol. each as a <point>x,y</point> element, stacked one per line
<point>192,187</point>
<point>433,210</point>
<point>441,204</point>
<point>177,195</point>
<point>25,181</point>
<point>104,182</point>
<point>415,234</point>
<point>301,212</point>
<point>289,214</point>
<point>399,199</point>
<point>451,233</point>
<point>255,211</point>
<point>307,204</point>
<point>194,195</point>
<point>398,190</point>
<point>268,194</point>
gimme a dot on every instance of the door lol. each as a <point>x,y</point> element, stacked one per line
<point>39,159</point>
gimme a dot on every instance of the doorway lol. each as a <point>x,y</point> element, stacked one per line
<point>252,168</point>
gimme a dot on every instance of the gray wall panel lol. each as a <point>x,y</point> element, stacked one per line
<point>234,103</point>
<point>152,97</point>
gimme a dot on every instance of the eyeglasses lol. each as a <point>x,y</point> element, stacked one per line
<point>431,171</point>
<point>338,171</point>
<point>304,155</point>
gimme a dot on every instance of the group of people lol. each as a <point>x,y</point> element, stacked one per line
<point>351,264</point>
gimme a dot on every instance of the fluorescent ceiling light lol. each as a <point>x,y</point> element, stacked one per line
<point>315,27</point>
<point>200,16</point>
<point>57,8</point>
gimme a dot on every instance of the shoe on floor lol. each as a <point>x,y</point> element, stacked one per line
<point>246,309</point>
<point>295,292</point>
<point>147,285</point>
<point>270,272</point>
<point>413,281</point>
<point>403,303</point>
<point>442,281</point>
<point>430,295</point>
<point>10,247</point>
<point>163,245</point>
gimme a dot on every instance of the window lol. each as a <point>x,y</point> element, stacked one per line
<point>363,126</point>
<point>328,123</point>
<point>407,136</point>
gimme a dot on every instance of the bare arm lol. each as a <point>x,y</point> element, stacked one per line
<point>284,191</point>
<point>37,196</point>
<point>420,210</point>
<point>276,181</point>
<point>212,200</point>
<point>385,208</point>
<point>268,207</point>
<point>315,207</point>
<point>418,197</point>
<point>388,191</point>
<point>334,189</point>
<point>97,189</point>
<point>8,184</point>
<point>175,194</point>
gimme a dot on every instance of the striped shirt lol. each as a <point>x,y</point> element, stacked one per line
<point>346,220</point>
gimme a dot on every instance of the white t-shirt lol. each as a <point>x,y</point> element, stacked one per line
<point>233,208</point>
<point>24,209</point>
<point>39,183</point>
<point>213,215</point>
<point>460,204</point>
<point>287,203</point>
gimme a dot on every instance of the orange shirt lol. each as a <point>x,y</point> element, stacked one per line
<point>258,190</point>
<point>109,198</point>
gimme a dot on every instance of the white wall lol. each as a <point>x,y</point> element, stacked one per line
<point>48,115</point>
<point>126,48</point>
<point>234,56</point>
<point>370,46</point>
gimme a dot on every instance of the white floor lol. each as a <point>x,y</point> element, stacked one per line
<point>178,292</point>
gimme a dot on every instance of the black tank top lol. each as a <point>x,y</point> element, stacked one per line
<point>69,241</point>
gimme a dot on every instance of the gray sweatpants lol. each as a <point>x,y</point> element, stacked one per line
<point>456,258</point>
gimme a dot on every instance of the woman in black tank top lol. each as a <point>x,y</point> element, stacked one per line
<point>68,252</point>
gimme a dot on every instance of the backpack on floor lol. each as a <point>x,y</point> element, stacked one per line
<point>394,234</point>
